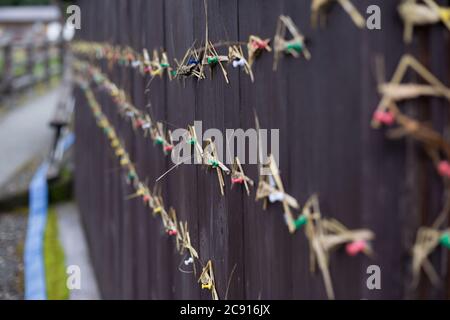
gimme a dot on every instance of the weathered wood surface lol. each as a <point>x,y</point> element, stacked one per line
<point>323,109</point>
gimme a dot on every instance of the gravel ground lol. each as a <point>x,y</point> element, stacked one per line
<point>12,239</point>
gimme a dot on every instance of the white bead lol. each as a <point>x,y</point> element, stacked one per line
<point>239,63</point>
<point>276,196</point>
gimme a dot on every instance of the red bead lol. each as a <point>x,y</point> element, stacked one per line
<point>237,180</point>
<point>172,232</point>
<point>168,148</point>
<point>146,198</point>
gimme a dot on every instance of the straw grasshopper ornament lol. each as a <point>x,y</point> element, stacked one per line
<point>270,188</point>
<point>427,240</point>
<point>295,46</point>
<point>131,177</point>
<point>319,8</point>
<point>157,203</point>
<point>238,176</point>
<point>211,58</point>
<point>190,65</point>
<point>119,152</point>
<point>159,136</point>
<point>146,62</point>
<point>166,65</point>
<point>237,59</point>
<point>210,158</point>
<point>125,160</point>
<point>395,91</point>
<point>156,68</point>
<point>255,47</point>
<point>192,140</point>
<point>187,246</point>
<point>207,280</point>
<point>143,192</point>
<point>414,14</point>
<point>128,55</point>
<point>165,218</point>
<point>389,113</point>
<point>137,120</point>
<point>172,226</point>
<point>146,125</point>
<point>325,235</point>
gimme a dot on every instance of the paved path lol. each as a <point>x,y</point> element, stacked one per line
<point>25,133</point>
<point>76,251</point>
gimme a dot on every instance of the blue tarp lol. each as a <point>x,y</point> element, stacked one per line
<point>33,257</point>
<point>35,288</point>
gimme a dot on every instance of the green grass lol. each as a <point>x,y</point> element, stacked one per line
<point>54,260</point>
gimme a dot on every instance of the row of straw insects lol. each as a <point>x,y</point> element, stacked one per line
<point>153,199</point>
<point>435,145</point>
<point>195,60</point>
<point>324,234</point>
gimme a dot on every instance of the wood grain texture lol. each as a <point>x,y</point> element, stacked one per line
<point>323,109</point>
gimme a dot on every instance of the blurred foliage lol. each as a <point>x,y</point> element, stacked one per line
<point>54,260</point>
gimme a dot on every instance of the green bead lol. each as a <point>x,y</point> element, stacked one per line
<point>214,163</point>
<point>131,175</point>
<point>212,60</point>
<point>159,140</point>
<point>192,141</point>
<point>297,46</point>
<point>174,73</point>
<point>445,240</point>
<point>164,65</point>
<point>301,221</point>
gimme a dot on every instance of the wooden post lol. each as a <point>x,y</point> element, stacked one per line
<point>46,53</point>
<point>62,56</point>
<point>30,61</point>
<point>7,73</point>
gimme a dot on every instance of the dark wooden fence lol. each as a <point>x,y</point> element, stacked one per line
<point>323,108</point>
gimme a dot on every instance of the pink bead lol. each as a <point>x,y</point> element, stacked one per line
<point>139,123</point>
<point>385,117</point>
<point>388,118</point>
<point>355,247</point>
<point>444,168</point>
<point>172,232</point>
<point>237,180</point>
<point>261,44</point>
